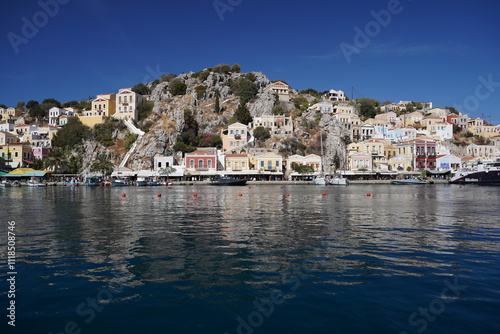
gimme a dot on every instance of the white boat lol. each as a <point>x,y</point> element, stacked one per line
<point>338,180</point>
<point>36,183</point>
<point>320,181</point>
<point>119,183</point>
<point>5,184</point>
<point>487,173</point>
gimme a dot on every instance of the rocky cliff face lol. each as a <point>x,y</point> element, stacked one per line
<point>168,118</point>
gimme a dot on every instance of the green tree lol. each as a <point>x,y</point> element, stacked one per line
<point>74,164</point>
<point>3,106</point>
<point>236,68</point>
<point>217,103</point>
<point>72,134</point>
<point>37,112</point>
<point>103,164</point>
<point>242,114</point>
<point>303,169</point>
<point>167,77</point>
<point>200,91</point>
<point>166,171</point>
<point>56,159</point>
<point>245,89</point>
<point>38,164</point>
<point>261,133</point>
<point>32,104</point>
<point>368,108</point>
<point>177,87</point>
<point>52,101</point>
<point>278,110</point>
<point>251,76</point>
<point>130,139</point>
<point>141,88</point>
<point>144,110</point>
<point>453,110</point>
<point>20,105</point>
<point>222,68</point>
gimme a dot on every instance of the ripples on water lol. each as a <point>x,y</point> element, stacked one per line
<point>340,263</point>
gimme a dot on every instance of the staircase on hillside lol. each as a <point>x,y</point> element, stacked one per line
<point>132,128</point>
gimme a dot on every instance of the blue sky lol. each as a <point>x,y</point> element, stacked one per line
<point>421,50</point>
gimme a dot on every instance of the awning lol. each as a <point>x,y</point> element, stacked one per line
<point>25,172</point>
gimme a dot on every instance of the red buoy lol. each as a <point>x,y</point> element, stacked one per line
<point>195,194</point>
<point>324,194</point>
<point>124,195</point>
<point>368,194</point>
<point>158,195</point>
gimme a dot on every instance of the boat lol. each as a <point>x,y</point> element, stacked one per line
<point>229,181</point>
<point>321,180</point>
<point>487,173</point>
<point>36,183</point>
<point>5,184</point>
<point>93,181</point>
<point>73,183</point>
<point>119,183</point>
<point>144,181</point>
<point>338,180</point>
<point>411,181</point>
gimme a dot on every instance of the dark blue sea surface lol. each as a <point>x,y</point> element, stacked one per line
<point>253,259</point>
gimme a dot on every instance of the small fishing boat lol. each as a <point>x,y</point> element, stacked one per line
<point>119,183</point>
<point>338,180</point>
<point>408,181</point>
<point>36,183</point>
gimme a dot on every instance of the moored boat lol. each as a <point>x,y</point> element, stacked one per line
<point>229,181</point>
<point>487,173</point>
<point>408,181</point>
<point>36,183</point>
<point>119,183</point>
<point>338,180</point>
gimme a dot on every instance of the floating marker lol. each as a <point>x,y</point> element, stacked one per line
<point>124,195</point>
<point>169,187</point>
<point>287,195</point>
<point>249,187</point>
<point>240,194</point>
<point>158,195</point>
<point>195,194</point>
<point>324,194</point>
<point>368,194</point>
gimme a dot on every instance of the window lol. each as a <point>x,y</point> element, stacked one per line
<point>159,164</point>
<point>262,164</point>
<point>16,154</point>
<point>200,163</point>
<point>269,164</point>
<point>191,163</point>
<point>277,163</point>
<point>209,163</point>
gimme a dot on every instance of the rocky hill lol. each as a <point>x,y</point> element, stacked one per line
<point>167,119</point>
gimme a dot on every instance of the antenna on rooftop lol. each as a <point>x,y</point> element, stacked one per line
<point>352,93</point>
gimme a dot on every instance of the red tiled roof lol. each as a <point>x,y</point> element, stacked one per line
<point>236,155</point>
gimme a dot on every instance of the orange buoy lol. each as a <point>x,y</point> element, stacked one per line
<point>329,186</point>
<point>324,194</point>
<point>368,194</point>
<point>460,187</point>
<point>195,194</point>
<point>124,195</point>
<point>169,187</point>
<point>158,195</point>
<point>240,194</point>
<point>249,187</point>
<point>287,195</point>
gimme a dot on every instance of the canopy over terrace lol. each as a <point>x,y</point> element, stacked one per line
<point>25,173</point>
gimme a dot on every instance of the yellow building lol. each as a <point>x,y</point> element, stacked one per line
<point>16,154</point>
<point>270,162</point>
<point>487,131</point>
<point>237,162</point>
<point>90,120</point>
<point>103,105</point>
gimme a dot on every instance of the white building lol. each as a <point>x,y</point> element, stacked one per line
<point>127,103</point>
<point>335,95</point>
